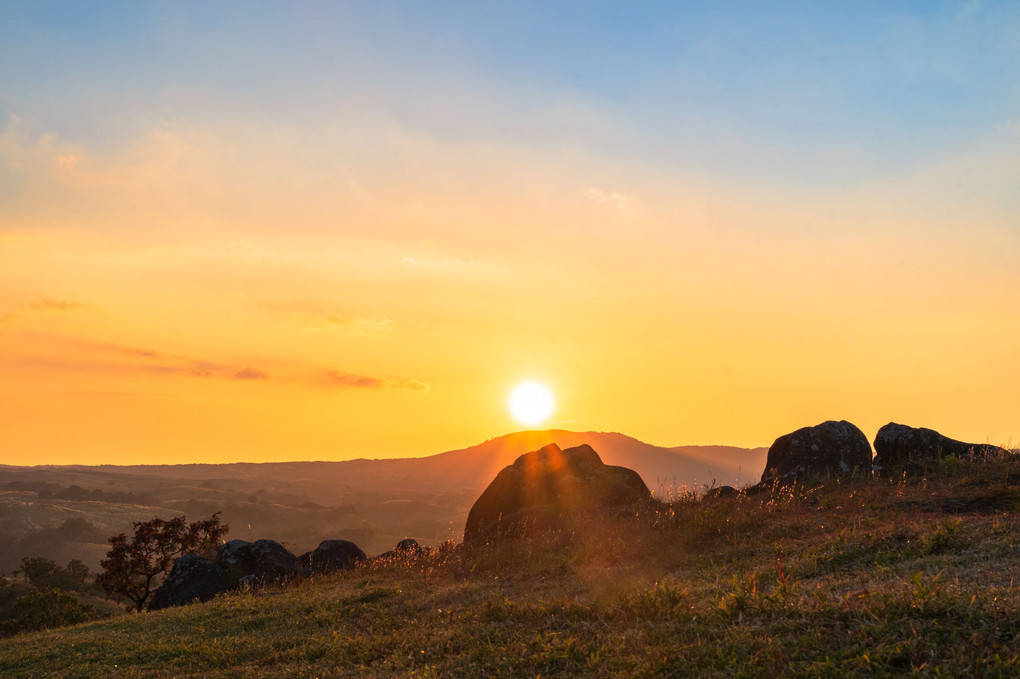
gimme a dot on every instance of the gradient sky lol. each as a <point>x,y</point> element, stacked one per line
<point>317,230</point>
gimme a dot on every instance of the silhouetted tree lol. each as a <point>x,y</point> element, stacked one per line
<point>134,567</point>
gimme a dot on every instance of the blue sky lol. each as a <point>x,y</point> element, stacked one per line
<point>805,92</point>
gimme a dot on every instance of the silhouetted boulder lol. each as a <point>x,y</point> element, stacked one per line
<point>333,555</point>
<point>546,489</point>
<point>721,491</point>
<point>408,547</point>
<point>827,449</point>
<point>260,561</point>
<point>191,579</point>
<point>897,445</point>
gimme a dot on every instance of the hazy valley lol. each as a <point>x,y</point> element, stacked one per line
<point>67,512</point>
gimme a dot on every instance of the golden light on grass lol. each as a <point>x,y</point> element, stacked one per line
<point>531,403</point>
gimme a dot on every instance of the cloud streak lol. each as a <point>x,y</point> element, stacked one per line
<point>47,304</point>
<point>251,374</point>
<point>352,325</point>
<point>341,379</point>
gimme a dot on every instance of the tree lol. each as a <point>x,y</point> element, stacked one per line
<point>45,574</point>
<point>134,567</point>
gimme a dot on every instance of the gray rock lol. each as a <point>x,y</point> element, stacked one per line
<point>897,445</point>
<point>828,449</point>
<point>264,560</point>
<point>333,555</point>
<point>191,579</point>
<point>548,489</point>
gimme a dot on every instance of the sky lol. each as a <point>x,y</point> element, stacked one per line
<point>261,231</point>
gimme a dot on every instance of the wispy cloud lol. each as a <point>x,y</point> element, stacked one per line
<point>250,373</point>
<point>349,380</point>
<point>617,199</point>
<point>47,304</point>
<point>352,325</point>
<point>67,161</point>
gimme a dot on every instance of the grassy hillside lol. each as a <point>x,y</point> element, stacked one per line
<point>857,578</point>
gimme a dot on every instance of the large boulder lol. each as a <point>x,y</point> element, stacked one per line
<point>333,555</point>
<point>260,561</point>
<point>191,579</point>
<point>825,450</point>
<point>897,445</point>
<point>547,489</point>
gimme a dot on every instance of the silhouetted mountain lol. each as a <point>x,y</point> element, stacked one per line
<point>465,470</point>
<point>661,468</point>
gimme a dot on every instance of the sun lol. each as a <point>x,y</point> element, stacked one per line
<point>531,403</point>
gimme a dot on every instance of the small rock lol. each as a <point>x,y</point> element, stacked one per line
<point>721,491</point>
<point>333,555</point>
<point>408,547</point>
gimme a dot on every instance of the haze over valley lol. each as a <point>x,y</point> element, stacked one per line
<point>65,512</point>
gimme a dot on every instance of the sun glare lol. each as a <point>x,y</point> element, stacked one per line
<point>531,403</point>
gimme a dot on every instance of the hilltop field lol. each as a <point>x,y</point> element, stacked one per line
<point>913,574</point>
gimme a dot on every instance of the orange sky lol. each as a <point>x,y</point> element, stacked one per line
<point>240,287</point>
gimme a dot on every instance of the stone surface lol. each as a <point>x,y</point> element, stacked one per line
<point>897,445</point>
<point>191,579</point>
<point>828,449</point>
<point>260,561</point>
<point>546,488</point>
<point>333,555</point>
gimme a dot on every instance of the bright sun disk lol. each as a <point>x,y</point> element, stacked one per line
<point>531,403</point>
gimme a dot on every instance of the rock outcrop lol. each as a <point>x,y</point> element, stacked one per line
<point>240,563</point>
<point>260,562</point>
<point>547,489</point>
<point>191,579</point>
<point>333,555</point>
<point>828,449</point>
<point>897,445</point>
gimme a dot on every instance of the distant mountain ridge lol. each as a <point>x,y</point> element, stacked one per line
<point>466,470</point>
<point>661,468</point>
<point>373,502</point>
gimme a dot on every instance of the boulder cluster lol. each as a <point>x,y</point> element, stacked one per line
<point>240,564</point>
<point>554,489</point>
<point>839,448</point>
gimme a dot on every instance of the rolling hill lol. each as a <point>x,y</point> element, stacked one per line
<point>373,502</point>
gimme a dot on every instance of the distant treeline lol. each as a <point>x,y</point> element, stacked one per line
<point>52,542</point>
<point>54,491</point>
